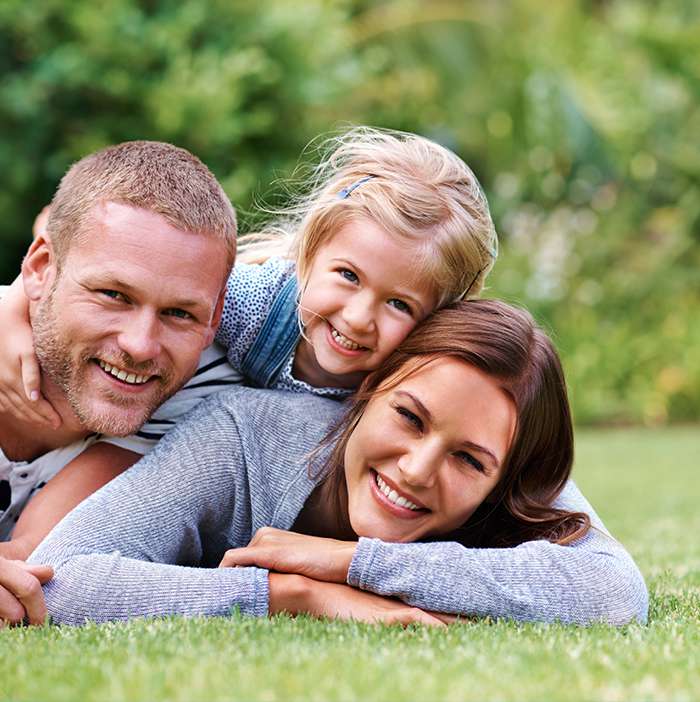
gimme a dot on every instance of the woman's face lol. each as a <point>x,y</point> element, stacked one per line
<point>425,454</point>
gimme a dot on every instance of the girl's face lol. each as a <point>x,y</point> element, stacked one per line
<point>425,454</point>
<point>362,297</point>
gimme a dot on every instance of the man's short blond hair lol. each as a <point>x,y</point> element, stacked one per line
<point>151,175</point>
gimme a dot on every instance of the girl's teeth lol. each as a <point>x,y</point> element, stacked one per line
<point>344,341</point>
<point>394,496</point>
<point>131,378</point>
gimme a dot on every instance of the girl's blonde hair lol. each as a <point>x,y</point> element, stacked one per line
<point>418,191</point>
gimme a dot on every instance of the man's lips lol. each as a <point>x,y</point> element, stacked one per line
<point>394,500</point>
<point>124,375</point>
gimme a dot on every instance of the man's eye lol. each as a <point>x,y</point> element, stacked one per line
<point>178,313</point>
<point>114,295</point>
<point>410,417</point>
<point>401,306</point>
<point>466,457</point>
<point>348,275</point>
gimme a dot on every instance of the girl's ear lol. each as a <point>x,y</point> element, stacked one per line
<point>39,268</point>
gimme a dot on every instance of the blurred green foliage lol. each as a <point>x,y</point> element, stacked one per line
<point>580,118</point>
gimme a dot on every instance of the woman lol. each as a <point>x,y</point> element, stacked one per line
<point>443,490</point>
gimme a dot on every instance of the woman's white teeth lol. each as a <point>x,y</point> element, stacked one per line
<point>394,496</point>
<point>131,378</point>
<point>344,341</point>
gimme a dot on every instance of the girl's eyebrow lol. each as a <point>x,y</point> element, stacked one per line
<point>401,293</point>
<point>429,417</point>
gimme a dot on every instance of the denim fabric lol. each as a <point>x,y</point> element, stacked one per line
<point>276,339</point>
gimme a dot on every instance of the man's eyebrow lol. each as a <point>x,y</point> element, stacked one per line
<point>401,293</point>
<point>470,444</point>
<point>114,283</point>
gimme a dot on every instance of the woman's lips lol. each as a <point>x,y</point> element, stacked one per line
<point>394,501</point>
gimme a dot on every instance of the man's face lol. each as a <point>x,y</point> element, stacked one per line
<point>121,327</point>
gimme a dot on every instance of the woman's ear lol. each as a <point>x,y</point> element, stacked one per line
<point>39,268</point>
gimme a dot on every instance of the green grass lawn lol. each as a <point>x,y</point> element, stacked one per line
<point>643,483</point>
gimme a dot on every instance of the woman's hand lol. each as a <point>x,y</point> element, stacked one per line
<point>297,594</point>
<point>20,377</point>
<point>288,552</point>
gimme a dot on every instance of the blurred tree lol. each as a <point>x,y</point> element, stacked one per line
<point>580,118</point>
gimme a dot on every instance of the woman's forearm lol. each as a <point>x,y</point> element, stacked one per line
<point>591,580</point>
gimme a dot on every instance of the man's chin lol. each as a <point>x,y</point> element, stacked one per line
<point>113,420</point>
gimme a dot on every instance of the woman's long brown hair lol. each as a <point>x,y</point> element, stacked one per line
<point>505,343</point>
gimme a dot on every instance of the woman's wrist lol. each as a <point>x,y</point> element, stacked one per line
<point>289,593</point>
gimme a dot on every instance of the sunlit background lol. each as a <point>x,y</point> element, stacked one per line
<point>581,119</point>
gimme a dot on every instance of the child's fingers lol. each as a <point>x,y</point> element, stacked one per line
<point>31,380</point>
<point>17,405</point>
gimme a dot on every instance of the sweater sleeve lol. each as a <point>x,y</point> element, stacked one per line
<point>250,292</point>
<point>591,580</point>
<point>136,547</point>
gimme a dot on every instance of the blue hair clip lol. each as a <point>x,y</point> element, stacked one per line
<point>345,192</point>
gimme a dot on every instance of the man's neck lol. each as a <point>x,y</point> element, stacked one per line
<point>24,440</point>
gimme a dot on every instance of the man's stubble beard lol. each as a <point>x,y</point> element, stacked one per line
<point>69,374</point>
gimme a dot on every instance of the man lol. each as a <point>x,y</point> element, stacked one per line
<point>125,291</point>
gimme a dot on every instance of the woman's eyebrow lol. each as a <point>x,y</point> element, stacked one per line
<point>429,417</point>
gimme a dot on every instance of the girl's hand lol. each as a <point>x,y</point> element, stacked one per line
<point>296,594</point>
<point>288,552</point>
<point>20,376</point>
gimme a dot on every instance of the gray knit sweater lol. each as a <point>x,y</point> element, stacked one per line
<point>147,543</point>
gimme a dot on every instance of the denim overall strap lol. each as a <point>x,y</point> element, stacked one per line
<point>276,339</point>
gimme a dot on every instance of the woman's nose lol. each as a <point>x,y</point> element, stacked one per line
<point>419,465</point>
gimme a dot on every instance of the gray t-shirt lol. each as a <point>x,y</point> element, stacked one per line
<point>238,462</point>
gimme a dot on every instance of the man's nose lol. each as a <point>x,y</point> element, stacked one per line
<point>359,312</point>
<point>140,336</point>
<point>419,464</point>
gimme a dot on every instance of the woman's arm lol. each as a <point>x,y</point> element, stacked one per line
<point>92,469</point>
<point>134,547</point>
<point>591,580</point>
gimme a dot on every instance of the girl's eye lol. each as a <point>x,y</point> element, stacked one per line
<point>401,306</point>
<point>410,417</point>
<point>466,457</point>
<point>348,275</point>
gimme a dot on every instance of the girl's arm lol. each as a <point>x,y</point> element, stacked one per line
<point>85,474</point>
<point>20,377</point>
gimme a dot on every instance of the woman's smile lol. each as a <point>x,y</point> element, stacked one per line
<point>389,496</point>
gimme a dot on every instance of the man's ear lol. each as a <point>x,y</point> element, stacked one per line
<point>39,268</point>
<point>216,317</point>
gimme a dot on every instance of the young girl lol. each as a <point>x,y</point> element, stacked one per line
<point>393,227</point>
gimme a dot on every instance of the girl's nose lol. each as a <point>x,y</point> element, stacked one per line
<point>358,313</point>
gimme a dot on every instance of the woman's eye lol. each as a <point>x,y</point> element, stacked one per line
<point>401,306</point>
<point>348,275</point>
<point>409,416</point>
<point>466,457</point>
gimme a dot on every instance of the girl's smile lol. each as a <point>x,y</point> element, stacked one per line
<point>364,294</point>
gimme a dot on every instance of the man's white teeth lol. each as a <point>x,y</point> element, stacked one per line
<point>394,496</point>
<point>344,341</point>
<point>130,378</point>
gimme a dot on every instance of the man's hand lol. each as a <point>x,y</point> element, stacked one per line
<point>288,552</point>
<point>21,596</point>
<point>296,594</point>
